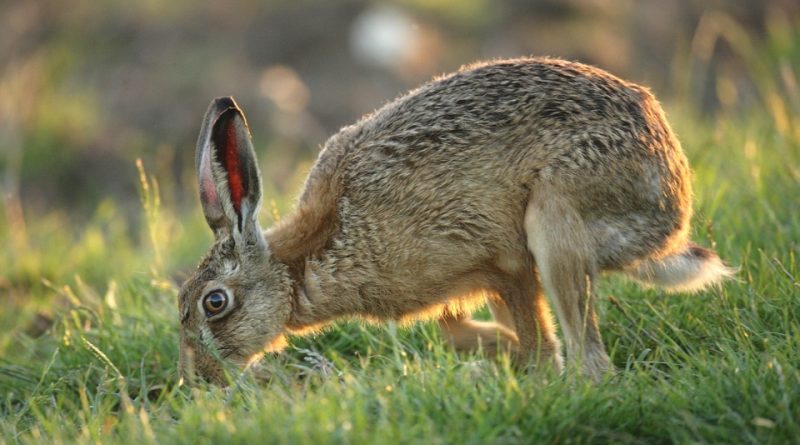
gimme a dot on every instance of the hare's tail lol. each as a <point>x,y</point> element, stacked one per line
<point>692,269</point>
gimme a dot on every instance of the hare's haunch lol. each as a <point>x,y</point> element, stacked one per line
<point>503,182</point>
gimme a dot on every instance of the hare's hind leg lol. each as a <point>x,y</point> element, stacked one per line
<point>562,249</point>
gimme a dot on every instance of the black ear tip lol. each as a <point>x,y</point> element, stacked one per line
<point>222,103</point>
<point>221,110</point>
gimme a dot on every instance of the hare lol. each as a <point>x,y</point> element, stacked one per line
<point>504,181</point>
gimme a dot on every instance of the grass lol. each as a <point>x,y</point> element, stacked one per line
<point>89,354</point>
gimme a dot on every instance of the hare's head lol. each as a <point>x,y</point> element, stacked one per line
<point>236,303</point>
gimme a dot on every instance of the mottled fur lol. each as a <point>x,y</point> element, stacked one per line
<point>503,180</point>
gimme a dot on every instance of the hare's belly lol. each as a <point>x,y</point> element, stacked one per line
<point>429,275</point>
<point>423,298</point>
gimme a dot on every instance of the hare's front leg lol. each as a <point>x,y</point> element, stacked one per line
<point>562,249</point>
<point>532,320</point>
<point>466,334</point>
<point>500,313</point>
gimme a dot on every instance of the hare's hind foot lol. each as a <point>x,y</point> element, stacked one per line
<point>596,365</point>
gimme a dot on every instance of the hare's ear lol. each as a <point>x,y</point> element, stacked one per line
<point>227,170</point>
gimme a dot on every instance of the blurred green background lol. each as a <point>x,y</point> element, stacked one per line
<point>87,87</point>
<point>100,105</point>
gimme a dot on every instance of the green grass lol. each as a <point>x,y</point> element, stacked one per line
<point>89,355</point>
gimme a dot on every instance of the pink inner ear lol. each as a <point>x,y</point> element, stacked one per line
<point>235,183</point>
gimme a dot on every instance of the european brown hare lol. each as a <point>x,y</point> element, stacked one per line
<point>504,181</point>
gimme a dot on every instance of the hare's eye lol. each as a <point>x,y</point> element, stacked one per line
<point>215,302</point>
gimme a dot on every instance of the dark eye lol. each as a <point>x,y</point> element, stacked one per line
<point>215,302</point>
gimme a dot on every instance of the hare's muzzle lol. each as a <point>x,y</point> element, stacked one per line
<point>194,366</point>
<point>186,365</point>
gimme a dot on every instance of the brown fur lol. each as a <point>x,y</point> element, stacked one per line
<point>473,185</point>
